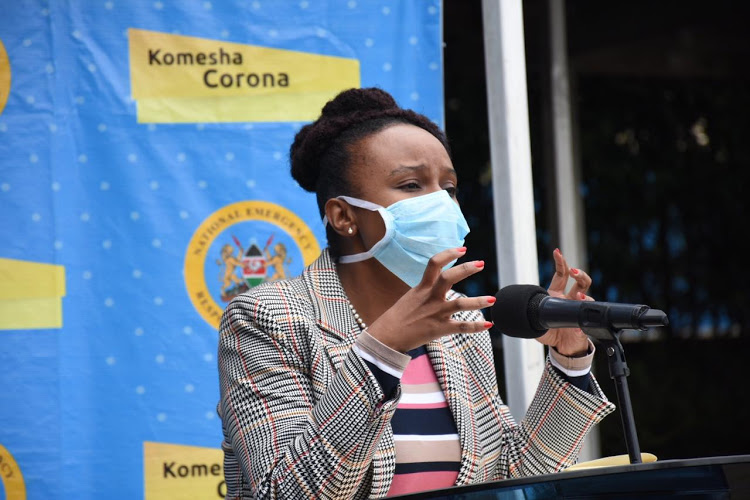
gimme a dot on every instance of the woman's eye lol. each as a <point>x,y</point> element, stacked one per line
<point>452,190</point>
<point>411,186</point>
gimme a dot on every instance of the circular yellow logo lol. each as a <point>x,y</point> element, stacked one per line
<point>241,246</point>
<point>4,76</point>
<point>10,475</point>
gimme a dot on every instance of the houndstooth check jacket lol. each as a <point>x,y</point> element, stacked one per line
<point>303,417</point>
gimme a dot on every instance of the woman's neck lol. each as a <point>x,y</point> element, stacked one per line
<point>371,288</point>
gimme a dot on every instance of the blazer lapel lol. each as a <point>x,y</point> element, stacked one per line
<point>450,369</point>
<point>329,301</point>
<point>339,331</point>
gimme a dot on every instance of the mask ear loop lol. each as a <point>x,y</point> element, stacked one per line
<point>387,220</point>
<point>356,202</point>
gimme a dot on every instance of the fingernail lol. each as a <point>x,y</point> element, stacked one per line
<point>479,263</point>
<point>581,295</point>
<point>491,300</point>
<point>461,249</point>
<point>574,270</point>
<point>488,325</point>
<point>557,250</point>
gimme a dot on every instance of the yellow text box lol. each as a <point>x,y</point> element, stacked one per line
<point>177,79</point>
<point>180,472</point>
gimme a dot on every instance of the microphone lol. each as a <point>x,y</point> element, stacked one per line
<point>527,311</point>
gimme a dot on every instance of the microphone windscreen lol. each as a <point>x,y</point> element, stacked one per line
<point>516,311</point>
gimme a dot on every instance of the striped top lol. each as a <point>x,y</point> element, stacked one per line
<point>428,451</point>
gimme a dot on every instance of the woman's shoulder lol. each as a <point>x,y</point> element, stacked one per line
<point>273,299</point>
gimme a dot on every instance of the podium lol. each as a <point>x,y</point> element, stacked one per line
<point>726,477</point>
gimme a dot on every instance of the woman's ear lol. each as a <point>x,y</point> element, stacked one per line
<point>341,217</point>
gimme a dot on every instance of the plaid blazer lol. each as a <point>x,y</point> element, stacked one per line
<point>303,416</point>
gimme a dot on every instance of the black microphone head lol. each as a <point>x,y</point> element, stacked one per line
<point>516,311</point>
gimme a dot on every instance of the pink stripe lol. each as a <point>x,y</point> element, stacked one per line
<point>421,481</point>
<point>428,406</point>
<point>419,371</point>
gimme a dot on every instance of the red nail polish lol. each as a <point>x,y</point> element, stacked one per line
<point>479,263</point>
<point>574,270</point>
<point>581,295</point>
<point>491,300</point>
<point>461,249</point>
<point>487,325</point>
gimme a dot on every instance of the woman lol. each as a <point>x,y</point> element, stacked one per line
<point>367,376</point>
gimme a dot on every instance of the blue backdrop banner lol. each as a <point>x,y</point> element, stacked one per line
<point>144,182</point>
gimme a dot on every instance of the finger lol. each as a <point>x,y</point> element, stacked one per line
<point>438,261</point>
<point>581,283</point>
<point>470,303</point>
<point>451,276</point>
<point>468,326</point>
<point>560,278</point>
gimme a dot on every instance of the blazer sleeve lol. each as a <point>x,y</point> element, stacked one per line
<point>551,434</point>
<point>290,440</point>
<point>549,437</point>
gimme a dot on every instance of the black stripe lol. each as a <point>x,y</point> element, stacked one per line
<point>427,467</point>
<point>387,381</point>
<point>425,422</point>
<point>417,352</point>
<point>583,382</point>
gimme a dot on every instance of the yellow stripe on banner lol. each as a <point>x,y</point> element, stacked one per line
<point>30,295</point>
<point>262,108</point>
<point>177,472</point>
<point>31,314</point>
<point>178,79</point>
<point>11,477</point>
<point>21,279</point>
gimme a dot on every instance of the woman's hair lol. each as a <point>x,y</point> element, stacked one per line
<point>322,150</point>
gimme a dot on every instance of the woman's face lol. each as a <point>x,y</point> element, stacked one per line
<point>399,162</point>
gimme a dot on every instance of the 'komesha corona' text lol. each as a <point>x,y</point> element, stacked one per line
<point>213,78</point>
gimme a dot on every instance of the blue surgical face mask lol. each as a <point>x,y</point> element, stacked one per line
<point>415,230</point>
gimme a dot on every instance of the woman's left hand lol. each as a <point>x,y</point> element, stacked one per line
<point>567,341</point>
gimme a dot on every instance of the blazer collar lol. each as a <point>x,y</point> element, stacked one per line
<point>330,303</point>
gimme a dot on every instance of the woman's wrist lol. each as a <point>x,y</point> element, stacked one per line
<point>375,332</point>
<point>575,351</point>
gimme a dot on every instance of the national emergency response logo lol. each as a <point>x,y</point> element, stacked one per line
<point>11,479</point>
<point>241,246</point>
<point>4,76</point>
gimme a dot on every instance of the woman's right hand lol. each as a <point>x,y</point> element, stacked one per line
<point>423,313</point>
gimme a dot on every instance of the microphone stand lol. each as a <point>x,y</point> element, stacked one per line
<point>619,371</point>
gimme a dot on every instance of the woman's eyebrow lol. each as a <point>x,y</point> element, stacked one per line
<point>407,169</point>
<point>416,168</point>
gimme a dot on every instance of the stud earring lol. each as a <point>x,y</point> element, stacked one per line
<point>350,230</point>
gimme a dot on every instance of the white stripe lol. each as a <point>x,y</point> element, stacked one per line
<point>422,398</point>
<point>369,357</point>
<point>425,437</point>
<point>567,371</point>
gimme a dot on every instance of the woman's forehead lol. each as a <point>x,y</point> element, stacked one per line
<point>401,147</point>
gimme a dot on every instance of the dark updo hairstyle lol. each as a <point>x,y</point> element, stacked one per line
<point>321,152</point>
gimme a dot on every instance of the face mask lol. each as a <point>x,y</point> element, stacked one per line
<point>415,230</point>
